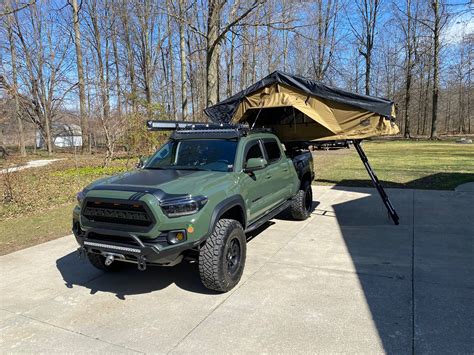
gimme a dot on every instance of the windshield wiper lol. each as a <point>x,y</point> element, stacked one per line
<point>154,168</point>
<point>191,168</point>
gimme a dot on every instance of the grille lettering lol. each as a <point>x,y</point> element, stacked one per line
<point>109,213</point>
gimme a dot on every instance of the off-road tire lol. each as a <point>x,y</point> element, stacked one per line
<point>98,261</point>
<point>301,203</point>
<point>216,269</point>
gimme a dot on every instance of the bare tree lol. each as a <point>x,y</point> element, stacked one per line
<point>45,64</point>
<point>171,58</point>
<point>326,18</point>
<point>409,27</point>
<point>367,11</point>
<point>215,35</point>
<point>11,41</point>
<point>183,59</point>
<point>80,75</point>
<point>436,29</point>
<point>124,16</point>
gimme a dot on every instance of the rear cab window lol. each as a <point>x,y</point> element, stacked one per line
<point>273,150</point>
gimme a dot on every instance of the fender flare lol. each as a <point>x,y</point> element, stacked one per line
<point>223,207</point>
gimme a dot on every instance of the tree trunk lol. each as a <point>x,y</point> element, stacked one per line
<point>171,61</point>
<point>212,55</point>
<point>191,80</point>
<point>448,113</point>
<point>15,90</point>
<point>182,54</point>
<point>80,77</point>
<point>408,69</point>
<point>230,67</point>
<point>102,69</point>
<point>461,106</point>
<point>368,59</point>
<point>130,61</point>
<point>436,34</point>
<point>425,107</point>
<point>117,75</point>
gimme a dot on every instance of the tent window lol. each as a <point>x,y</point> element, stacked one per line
<point>273,150</point>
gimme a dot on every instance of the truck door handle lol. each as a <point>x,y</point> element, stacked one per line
<point>268,177</point>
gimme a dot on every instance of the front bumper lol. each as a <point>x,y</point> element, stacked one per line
<point>128,247</point>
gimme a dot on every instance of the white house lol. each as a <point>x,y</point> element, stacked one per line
<point>65,135</point>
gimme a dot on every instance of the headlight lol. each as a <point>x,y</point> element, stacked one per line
<point>182,206</point>
<point>81,195</point>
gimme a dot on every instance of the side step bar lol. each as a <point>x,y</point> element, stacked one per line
<point>268,216</point>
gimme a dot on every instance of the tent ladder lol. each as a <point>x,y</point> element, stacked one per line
<point>391,210</point>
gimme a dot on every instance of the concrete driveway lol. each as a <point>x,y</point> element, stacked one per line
<point>346,280</point>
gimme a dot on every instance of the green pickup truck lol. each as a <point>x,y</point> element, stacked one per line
<point>196,197</point>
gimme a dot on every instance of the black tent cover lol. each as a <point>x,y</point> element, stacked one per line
<point>223,111</point>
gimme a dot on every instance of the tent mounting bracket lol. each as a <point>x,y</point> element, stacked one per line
<point>391,210</point>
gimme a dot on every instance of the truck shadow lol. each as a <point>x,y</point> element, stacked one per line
<point>131,281</point>
<point>380,255</point>
<point>414,276</point>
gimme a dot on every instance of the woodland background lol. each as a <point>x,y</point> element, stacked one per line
<point>110,65</point>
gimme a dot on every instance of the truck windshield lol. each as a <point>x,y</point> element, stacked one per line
<point>195,154</point>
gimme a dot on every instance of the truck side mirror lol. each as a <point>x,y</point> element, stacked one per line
<point>255,164</point>
<point>142,162</point>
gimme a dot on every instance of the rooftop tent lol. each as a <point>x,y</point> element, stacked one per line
<point>303,110</point>
<point>299,109</point>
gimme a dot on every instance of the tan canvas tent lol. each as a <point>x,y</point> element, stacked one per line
<point>299,109</point>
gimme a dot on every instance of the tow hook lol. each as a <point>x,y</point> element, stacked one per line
<point>81,252</point>
<point>141,263</point>
<point>109,260</point>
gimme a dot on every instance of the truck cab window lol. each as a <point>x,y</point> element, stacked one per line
<point>273,151</point>
<point>253,151</point>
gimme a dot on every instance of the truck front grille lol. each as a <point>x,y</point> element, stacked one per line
<point>134,214</point>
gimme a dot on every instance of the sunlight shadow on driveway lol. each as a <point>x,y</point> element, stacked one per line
<point>129,281</point>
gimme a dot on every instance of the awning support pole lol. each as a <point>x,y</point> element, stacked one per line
<point>391,210</point>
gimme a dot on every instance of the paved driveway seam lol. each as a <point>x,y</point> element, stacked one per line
<point>336,271</point>
<point>70,330</point>
<point>239,286</point>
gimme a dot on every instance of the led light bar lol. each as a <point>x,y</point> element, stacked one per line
<point>166,125</point>
<point>153,125</point>
<point>108,246</point>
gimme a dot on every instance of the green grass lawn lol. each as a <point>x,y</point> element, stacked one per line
<point>43,198</point>
<point>35,228</point>
<point>405,164</point>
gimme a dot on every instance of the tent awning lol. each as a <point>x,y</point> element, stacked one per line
<point>299,109</point>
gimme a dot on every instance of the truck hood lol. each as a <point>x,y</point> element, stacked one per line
<point>169,181</point>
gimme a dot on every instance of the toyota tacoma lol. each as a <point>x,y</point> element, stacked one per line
<point>196,197</point>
